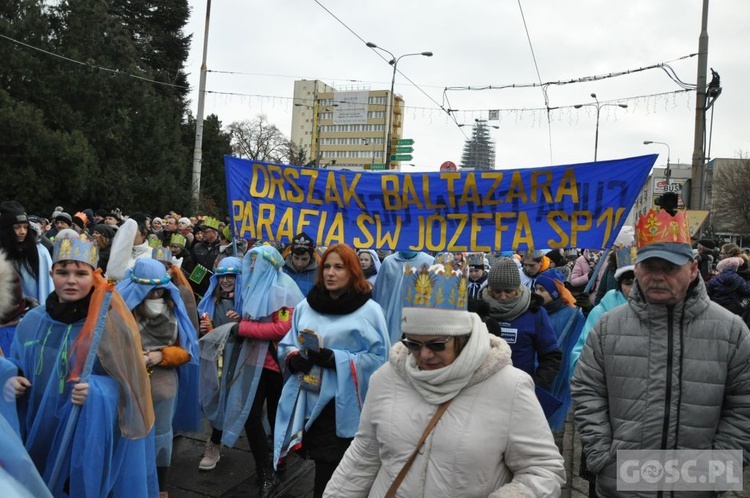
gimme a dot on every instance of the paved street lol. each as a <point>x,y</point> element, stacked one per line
<point>234,477</point>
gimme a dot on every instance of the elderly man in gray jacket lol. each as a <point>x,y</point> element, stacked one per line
<point>668,370</point>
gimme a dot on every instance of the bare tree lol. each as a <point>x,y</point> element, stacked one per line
<point>259,140</point>
<point>731,202</point>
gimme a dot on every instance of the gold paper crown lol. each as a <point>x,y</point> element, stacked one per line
<point>658,227</point>
<point>625,255</point>
<point>161,254</point>
<point>70,248</point>
<point>475,259</point>
<point>178,240</point>
<point>210,222</point>
<point>436,287</point>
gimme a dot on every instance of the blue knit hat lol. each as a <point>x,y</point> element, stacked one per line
<point>547,280</point>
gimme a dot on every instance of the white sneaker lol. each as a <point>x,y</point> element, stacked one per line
<point>210,457</point>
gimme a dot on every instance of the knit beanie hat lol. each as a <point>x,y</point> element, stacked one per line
<point>504,274</point>
<point>12,213</point>
<point>546,281</point>
<point>729,263</point>
<point>556,257</point>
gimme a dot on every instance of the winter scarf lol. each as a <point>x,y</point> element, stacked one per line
<point>321,301</point>
<point>509,309</point>
<point>482,356</point>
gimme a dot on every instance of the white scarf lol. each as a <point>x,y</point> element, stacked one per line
<point>438,386</point>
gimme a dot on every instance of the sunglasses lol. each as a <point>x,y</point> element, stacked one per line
<point>415,346</point>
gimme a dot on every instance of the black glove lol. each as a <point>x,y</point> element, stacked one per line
<point>323,358</point>
<point>298,363</point>
<point>235,330</point>
<point>493,326</point>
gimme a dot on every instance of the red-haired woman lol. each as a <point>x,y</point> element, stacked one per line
<point>324,389</point>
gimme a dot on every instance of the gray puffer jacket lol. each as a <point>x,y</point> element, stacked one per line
<point>662,377</point>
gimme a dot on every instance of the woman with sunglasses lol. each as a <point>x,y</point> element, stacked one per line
<point>324,389</point>
<point>491,438</point>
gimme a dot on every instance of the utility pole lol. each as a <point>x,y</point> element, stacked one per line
<point>699,158</point>
<point>198,149</point>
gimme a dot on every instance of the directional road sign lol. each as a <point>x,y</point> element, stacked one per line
<point>401,157</point>
<point>405,141</point>
<point>377,166</point>
<point>404,150</point>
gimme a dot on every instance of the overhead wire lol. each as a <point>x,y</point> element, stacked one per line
<point>539,77</point>
<point>449,110</point>
<point>94,66</point>
<point>379,55</point>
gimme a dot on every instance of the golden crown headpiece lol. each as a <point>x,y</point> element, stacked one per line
<point>475,259</point>
<point>178,240</point>
<point>625,255</point>
<point>210,222</point>
<point>161,254</point>
<point>658,227</point>
<point>70,247</point>
<point>438,286</point>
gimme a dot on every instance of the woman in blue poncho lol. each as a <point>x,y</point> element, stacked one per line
<point>170,345</point>
<point>324,390</point>
<point>111,453</point>
<point>221,305</point>
<point>250,367</point>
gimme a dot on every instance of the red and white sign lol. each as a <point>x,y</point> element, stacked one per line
<point>448,166</point>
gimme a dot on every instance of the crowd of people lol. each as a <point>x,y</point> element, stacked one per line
<point>398,373</point>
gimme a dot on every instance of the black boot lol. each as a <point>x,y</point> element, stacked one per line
<point>269,482</point>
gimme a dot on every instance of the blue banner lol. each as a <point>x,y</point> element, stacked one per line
<point>582,205</point>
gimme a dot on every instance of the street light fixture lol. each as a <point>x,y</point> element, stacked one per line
<point>668,171</point>
<point>598,106</point>
<point>389,116</point>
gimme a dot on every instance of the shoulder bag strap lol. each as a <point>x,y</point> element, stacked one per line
<point>405,469</point>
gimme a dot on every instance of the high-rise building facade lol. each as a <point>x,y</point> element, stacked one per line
<point>344,128</point>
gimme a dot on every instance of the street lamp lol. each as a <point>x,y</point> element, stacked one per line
<point>389,121</point>
<point>598,106</point>
<point>667,172</point>
<point>366,141</point>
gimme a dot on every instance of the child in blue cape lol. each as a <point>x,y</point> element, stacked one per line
<point>111,453</point>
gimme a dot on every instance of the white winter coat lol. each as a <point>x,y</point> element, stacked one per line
<point>492,441</point>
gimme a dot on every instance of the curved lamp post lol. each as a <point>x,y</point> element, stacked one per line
<point>389,122</point>
<point>598,106</point>
<point>668,171</point>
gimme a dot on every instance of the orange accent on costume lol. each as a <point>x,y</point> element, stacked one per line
<point>173,357</point>
<point>120,353</point>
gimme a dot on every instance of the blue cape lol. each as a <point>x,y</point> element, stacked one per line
<point>187,411</point>
<point>99,460</point>
<point>360,345</point>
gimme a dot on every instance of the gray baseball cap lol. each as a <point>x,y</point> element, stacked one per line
<point>674,252</point>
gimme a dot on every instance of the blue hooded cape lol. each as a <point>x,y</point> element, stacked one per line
<point>187,417</point>
<point>99,461</point>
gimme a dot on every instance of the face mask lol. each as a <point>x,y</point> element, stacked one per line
<point>407,254</point>
<point>155,306</point>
